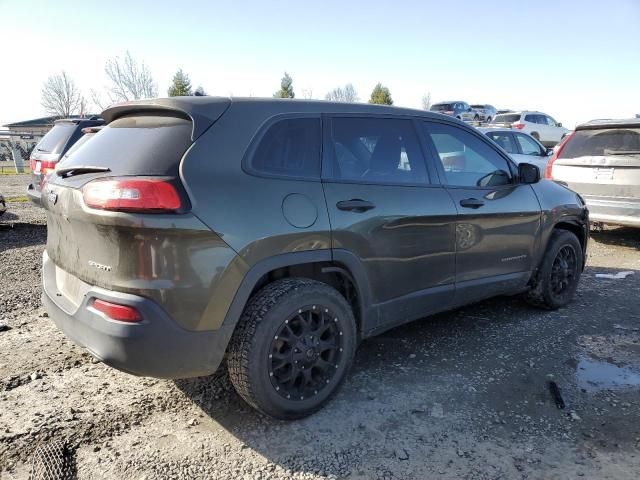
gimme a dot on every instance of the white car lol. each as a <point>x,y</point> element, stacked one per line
<point>537,124</point>
<point>523,148</point>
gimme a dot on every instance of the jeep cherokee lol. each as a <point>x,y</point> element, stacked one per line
<point>274,235</point>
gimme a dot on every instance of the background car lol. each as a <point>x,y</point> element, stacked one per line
<point>3,205</point>
<point>601,161</point>
<point>523,148</point>
<point>52,147</point>
<point>460,110</point>
<point>486,112</point>
<point>537,124</point>
<point>88,133</point>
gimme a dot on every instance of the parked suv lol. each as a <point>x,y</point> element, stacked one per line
<point>601,161</point>
<point>280,233</point>
<point>52,147</point>
<point>539,125</point>
<point>486,112</point>
<point>520,146</point>
<point>458,109</point>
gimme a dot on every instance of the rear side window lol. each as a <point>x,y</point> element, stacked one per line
<point>504,140</point>
<point>376,150</point>
<point>55,140</point>
<point>441,107</point>
<point>290,147</point>
<point>507,118</point>
<point>141,144</point>
<point>600,142</point>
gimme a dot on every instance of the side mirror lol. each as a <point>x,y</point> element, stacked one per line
<point>528,173</point>
<point>558,124</point>
<point>549,152</point>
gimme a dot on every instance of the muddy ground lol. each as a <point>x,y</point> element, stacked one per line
<point>458,395</point>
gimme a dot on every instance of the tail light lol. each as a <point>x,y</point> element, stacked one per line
<point>45,167</point>
<point>114,311</point>
<point>517,125</point>
<point>146,195</point>
<point>556,153</point>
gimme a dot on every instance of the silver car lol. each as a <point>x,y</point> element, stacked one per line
<point>523,148</point>
<point>601,161</point>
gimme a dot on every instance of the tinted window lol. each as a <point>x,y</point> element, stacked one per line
<point>290,147</point>
<point>137,144</point>
<point>56,138</point>
<point>467,160</point>
<point>504,140</point>
<point>376,150</point>
<point>507,118</point>
<point>81,141</point>
<point>528,145</point>
<point>441,107</point>
<point>607,141</point>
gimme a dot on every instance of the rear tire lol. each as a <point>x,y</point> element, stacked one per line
<point>557,278</point>
<point>292,348</point>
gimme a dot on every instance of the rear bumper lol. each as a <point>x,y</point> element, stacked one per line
<point>34,195</point>
<point>156,347</point>
<point>617,211</point>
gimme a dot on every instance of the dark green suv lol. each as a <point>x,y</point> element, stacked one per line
<point>280,233</point>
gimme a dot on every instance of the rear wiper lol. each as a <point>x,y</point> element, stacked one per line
<point>70,171</point>
<point>622,152</point>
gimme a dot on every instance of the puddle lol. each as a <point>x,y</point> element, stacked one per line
<point>594,375</point>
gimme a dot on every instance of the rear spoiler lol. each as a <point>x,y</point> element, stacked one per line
<point>203,111</point>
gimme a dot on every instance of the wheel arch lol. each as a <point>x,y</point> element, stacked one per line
<point>340,269</point>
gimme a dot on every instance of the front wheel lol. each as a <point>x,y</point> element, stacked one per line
<point>557,278</point>
<point>292,347</point>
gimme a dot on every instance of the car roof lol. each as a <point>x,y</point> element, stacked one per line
<point>609,123</point>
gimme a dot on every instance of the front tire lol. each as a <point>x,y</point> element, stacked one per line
<point>557,278</point>
<point>292,348</point>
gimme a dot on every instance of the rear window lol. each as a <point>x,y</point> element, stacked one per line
<point>140,144</point>
<point>291,148</point>
<point>507,118</point>
<point>81,141</point>
<point>609,141</point>
<point>55,140</point>
<point>441,107</point>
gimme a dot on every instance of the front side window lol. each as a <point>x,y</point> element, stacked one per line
<point>376,150</point>
<point>467,161</point>
<point>528,145</point>
<point>549,121</point>
<point>504,140</point>
<point>291,147</point>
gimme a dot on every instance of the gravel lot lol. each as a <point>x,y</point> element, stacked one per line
<point>458,395</point>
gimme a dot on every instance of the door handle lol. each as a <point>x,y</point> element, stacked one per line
<point>471,203</point>
<point>355,205</point>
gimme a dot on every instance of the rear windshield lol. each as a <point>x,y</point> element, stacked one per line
<point>609,141</point>
<point>441,107</point>
<point>81,141</point>
<point>140,144</point>
<point>507,118</point>
<point>477,106</point>
<point>55,140</point>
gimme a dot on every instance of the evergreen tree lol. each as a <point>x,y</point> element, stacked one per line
<point>286,87</point>
<point>181,85</point>
<point>381,95</point>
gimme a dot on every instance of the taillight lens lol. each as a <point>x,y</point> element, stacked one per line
<point>548,171</point>
<point>147,195</point>
<point>517,125</point>
<point>114,311</point>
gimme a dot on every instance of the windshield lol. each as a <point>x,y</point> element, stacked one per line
<point>609,141</point>
<point>441,107</point>
<point>507,118</point>
<point>55,140</point>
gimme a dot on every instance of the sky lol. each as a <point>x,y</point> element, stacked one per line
<point>574,59</point>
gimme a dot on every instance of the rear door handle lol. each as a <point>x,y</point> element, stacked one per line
<point>355,205</point>
<point>471,203</point>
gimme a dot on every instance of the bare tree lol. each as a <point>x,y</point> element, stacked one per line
<point>60,96</point>
<point>347,94</point>
<point>129,79</point>
<point>426,101</point>
<point>98,102</point>
<point>307,93</point>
